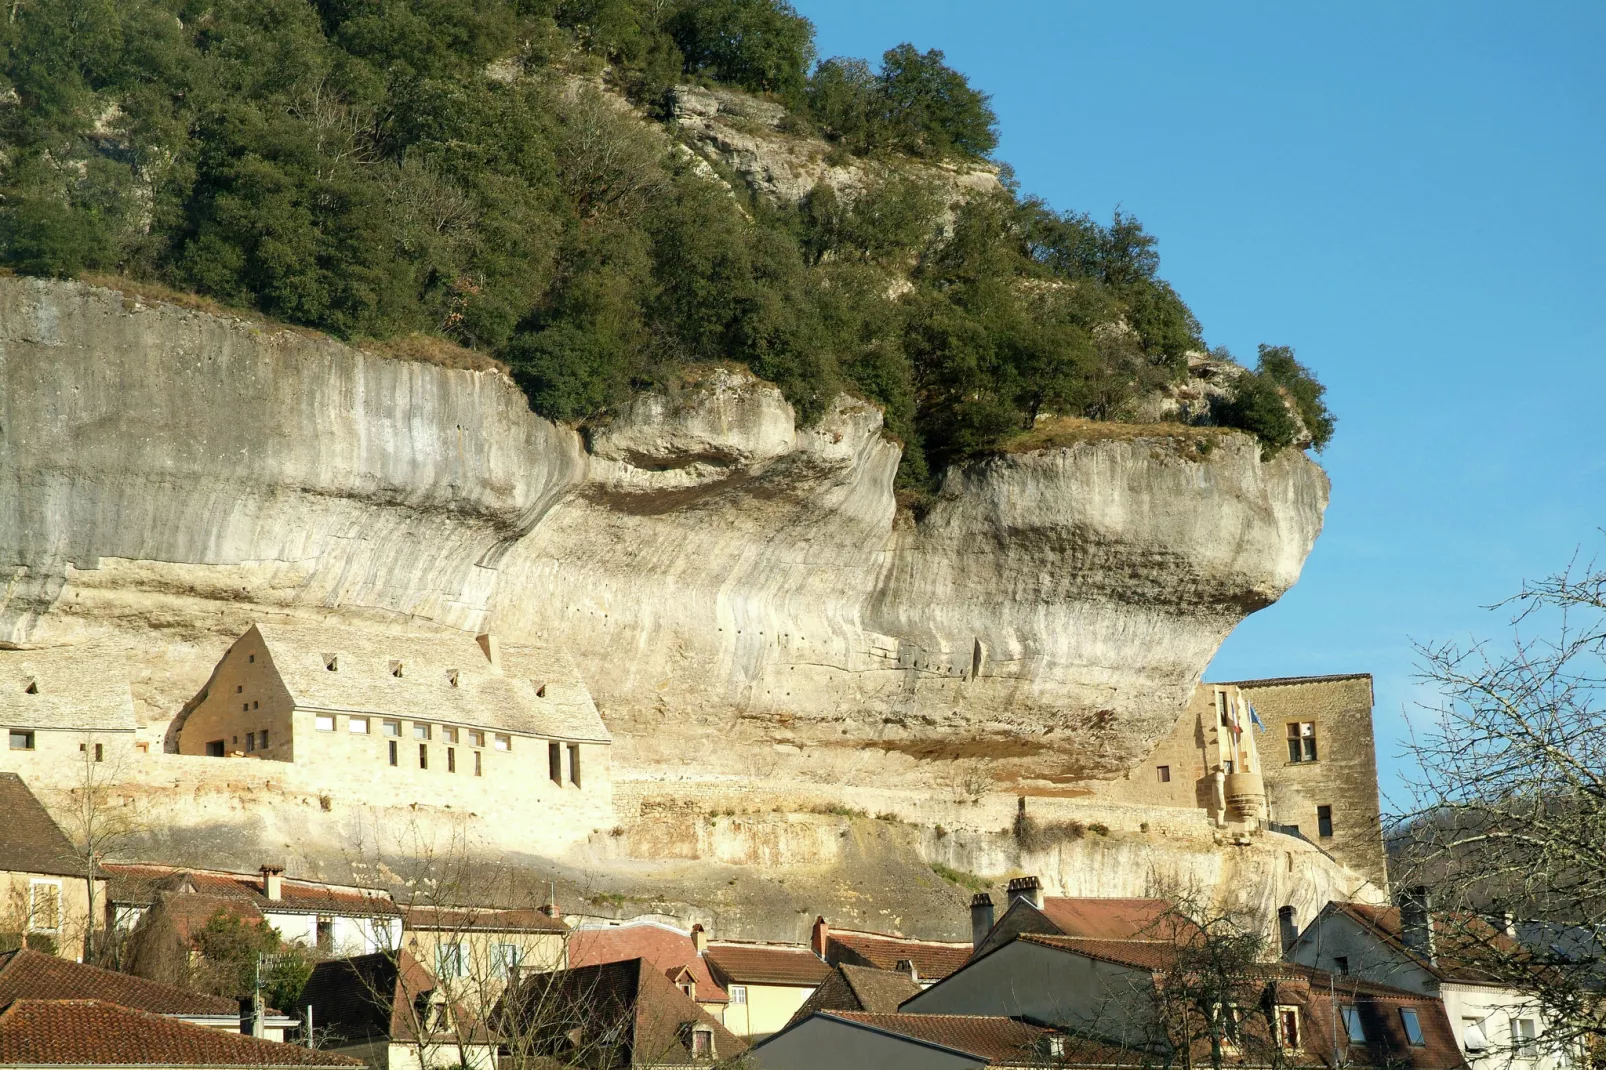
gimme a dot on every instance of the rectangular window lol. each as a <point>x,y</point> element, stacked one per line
<point>448,961</point>
<point>1324,822</point>
<point>44,906</point>
<point>1164,772</point>
<point>1221,708</point>
<point>324,722</point>
<point>420,731</point>
<point>738,993</point>
<point>357,726</point>
<point>21,739</point>
<point>214,748</point>
<point>251,657</point>
<point>423,756</point>
<point>449,733</point>
<point>1341,964</point>
<point>574,764</point>
<point>451,759</point>
<point>702,1043</point>
<point>1524,1036</point>
<point>1352,1024</point>
<point>245,707</point>
<point>476,738</point>
<point>1413,1027</point>
<point>479,770</point>
<point>554,763</point>
<point>391,728</point>
<point>509,957</point>
<point>326,934</point>
<point>1302,741</point>
<point>393,752</point>
<point>504,742</point>
<point>251,741</point>
<point>1288,1027</point>
<point>100,752</point>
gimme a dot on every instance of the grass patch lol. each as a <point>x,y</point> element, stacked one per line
<point>837,810</point>
<point>432,349</point>
<point>1060,431</point>
<point>960,877</point>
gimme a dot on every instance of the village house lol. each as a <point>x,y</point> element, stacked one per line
<point>388,1010</point>
<point>33,975</point>
<point>859,988</point>
<point>1029,911</point>
<point>45,896</point>
<point>677,954</point>
<point>81,1034</point>
<point>767,983</point>
<point>1411,947</point>
<point>159,910</point>
<point>61,706</point>
<point>619,1015</point>
<point>856,1040</point>
<point>926,961</point>
<point>477,952</point>
<point>446,716</point>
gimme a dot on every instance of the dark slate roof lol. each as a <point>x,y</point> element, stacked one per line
<point>1468,949</point>
<point>30,842</point>
<point>627,1006</point>
<point>859,988</point>
<point>87,1032</point>
<point>765,964</point>
<point>367,997</point>
<point>1000,1041</point>
<point>35,975</point>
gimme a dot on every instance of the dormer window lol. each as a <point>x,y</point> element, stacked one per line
<point>451,677</point>
<point>331,662</point>
<point>32,687</point>
<point>540,692</point>
<point>702,1042</point>
<point>396,669</point>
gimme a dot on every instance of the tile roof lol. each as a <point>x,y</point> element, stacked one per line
<point>30,842</point>
<point>998,1041</point>
<point>933,959</point>
<point>35,975</point>
<point>74,688</point>
<point>367,997</point>
<point>79,1033</point>
<point>476,919</point>
<point>1461,941</point>
<point>1141,954</point>
<point>859,988</point>
<point>629,1005</point>
<point>139,883</point>
<point>667,949</point>
<point>761,964</point>
<point>1110,919</point>
<point>1286,681</point>
<point>1378,1007</point>
<point>365,682</point>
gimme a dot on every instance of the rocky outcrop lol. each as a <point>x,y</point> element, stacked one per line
<point>743,595</point>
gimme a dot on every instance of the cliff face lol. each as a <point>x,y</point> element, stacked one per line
<point>743,596</point>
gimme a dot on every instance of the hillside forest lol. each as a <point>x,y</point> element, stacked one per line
<point>468,171</point>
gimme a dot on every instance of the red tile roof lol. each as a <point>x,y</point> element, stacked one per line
<point>933,959</point>
<point>761,964</point>
<point>667,949</point>
<point>140,883</point>
<point>78,1033</point>
<point>31,841</point>
<point>1001,1041</point>
<point>1111,919</point>
<point>34,975</point>
<point>466,919</point>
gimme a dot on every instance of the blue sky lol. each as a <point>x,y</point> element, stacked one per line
<point>1411,195</point>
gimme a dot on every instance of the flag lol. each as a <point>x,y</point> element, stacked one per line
<point>1254,718</point>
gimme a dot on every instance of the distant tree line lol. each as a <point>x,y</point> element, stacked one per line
<point>374,168</point>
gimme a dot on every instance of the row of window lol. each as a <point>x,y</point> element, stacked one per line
<point>23,739</point>
<point>1288,1025</point>
<point>451,960</point>
<point>360,726</point>
<point>254,741</point>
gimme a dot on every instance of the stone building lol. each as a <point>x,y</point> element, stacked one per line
<point>441,716</point>
<point>61,704</point>
<point>45,900</point>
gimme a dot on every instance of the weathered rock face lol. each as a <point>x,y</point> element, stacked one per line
<point>743,596</point>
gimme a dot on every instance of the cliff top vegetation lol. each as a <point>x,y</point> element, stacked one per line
<point>468,170</point>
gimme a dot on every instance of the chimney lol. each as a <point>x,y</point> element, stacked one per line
<point>551,909</point>
<point>1416,923</point>
<point>493,650</point>
<point>981,918</point>
<point>820,938</point>
<point>1508,924</point>
<point>1028,888</point>
<point>1286,929</point>
<point>699,938</point>
<point>273,881</point>
<point>908,966</point>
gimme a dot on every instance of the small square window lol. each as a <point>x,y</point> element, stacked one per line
<point>504,742</point>
<point>239,689</point>
<point>251,657</point>
<point>324,722</point>
<point>448,734</point>
<point>255,705</point>
<point>1164,772</point>
<point>1413,1027</point>
<point>476,738</point>
<point>738,993</point>
<point>357,726</point>
<point>1341,964</point>
<point>331,662</point>
<point>44,906</point>
<point>214,748</point>
<point>420,731</point>
<point>396,669</point>
<point>245,707</point>
<point>392,728</point>
<point>1302,741</point>
<point>21,740</point>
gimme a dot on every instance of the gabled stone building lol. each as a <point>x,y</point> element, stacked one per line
<point>450,718</point>
<point>62,704</point>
